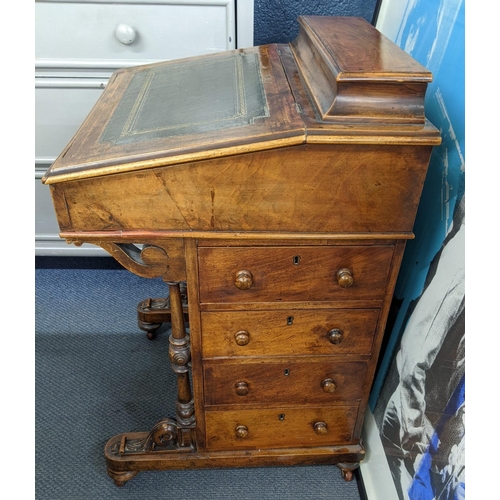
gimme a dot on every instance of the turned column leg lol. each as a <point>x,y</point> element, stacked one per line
<point>170,436</point>
<point>180,356</point>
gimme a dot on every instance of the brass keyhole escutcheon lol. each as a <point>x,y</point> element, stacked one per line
<point>243,280</point>
<point>335,336</point>
<point>241,431</point>
<point>242,337</point>
<point>345,278</point>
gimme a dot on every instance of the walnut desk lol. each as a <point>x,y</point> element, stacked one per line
<point>280,183</point>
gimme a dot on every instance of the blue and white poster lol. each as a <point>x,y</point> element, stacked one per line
<point>418,398</point>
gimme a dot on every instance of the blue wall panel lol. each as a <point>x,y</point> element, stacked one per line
<point>418,398</point>
<point>275,21</point>
<point>434,34</point>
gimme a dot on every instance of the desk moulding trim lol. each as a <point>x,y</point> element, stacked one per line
<point>89,170</point>
<point>79,237</point>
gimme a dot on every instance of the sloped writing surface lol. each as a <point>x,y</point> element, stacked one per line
<point>189,98</point>
<point>176,111</point>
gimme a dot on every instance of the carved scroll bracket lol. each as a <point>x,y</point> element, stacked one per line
<point>156,259</point>
<point>166,436</point>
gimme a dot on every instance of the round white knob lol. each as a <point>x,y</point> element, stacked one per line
<point>125,34</point>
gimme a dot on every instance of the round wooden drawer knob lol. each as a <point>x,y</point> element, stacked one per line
<point>328,385</point>
<point>335,336</point>
<point>242,388</point>
<point>243,280</point>
<point>320,428</point>
<point>241,432</point>
<point>344,278</point>
<point>242,337</point>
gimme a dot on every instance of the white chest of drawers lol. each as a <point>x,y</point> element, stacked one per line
<point>80,43</point>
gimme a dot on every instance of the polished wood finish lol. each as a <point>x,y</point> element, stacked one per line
<point>360,179</point>
<point>276,276</point>
<point>282,192</point>
<point>280,427</point>
<point>285,381</point>
<point>288,332</point>
<point>350,73</point>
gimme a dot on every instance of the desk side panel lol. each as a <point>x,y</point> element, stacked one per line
<point>308,188</point>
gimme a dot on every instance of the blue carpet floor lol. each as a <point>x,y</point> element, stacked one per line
<point>97,375</point>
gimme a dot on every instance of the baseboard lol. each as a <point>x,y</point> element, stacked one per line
<point>76,262</point>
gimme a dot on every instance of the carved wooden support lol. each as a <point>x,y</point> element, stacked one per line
<point>180,356</point>
<point>168,435</point>
<point>163,435</point>
<point>152,313</point>
<point>163,259</point>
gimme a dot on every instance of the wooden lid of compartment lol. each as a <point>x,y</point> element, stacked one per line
<point>355,74</point>
<point>339,81</point>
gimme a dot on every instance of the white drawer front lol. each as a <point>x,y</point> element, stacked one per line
<point>61,106</point>
<point>83,34</point>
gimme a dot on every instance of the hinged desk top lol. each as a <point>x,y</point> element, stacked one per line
<point>340,81</point>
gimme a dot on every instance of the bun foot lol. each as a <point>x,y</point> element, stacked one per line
<point>149,328</point>
<point>347,470</point>
<point>347,474</point>
<point>120,478</point>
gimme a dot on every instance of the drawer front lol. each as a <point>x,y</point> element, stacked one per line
<point>54,125</point>
<point>275,274</point>
<point>288,332</point>
<point>85,33</point>
<point>279,428</point>
<point>319,382</point>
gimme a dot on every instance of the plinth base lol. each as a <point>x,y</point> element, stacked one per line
<point>123,465</point>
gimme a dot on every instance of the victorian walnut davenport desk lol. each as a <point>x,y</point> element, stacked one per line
<point>280,183</point>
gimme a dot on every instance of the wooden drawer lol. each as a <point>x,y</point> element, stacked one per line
<point>279,427</point>
<point>294,382</point>
<point>288,332</point>
<point>308,273</point>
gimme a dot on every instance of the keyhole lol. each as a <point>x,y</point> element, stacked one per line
<point>281,416</point>
<point>296,260</point>
<point>286,372</point>
<point>289,320</point>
